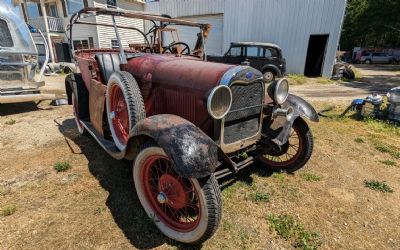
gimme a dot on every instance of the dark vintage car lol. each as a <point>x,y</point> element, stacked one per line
<point>266,57</point>
<point>184,122</point>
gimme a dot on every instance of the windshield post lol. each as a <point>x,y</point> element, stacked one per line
<point>121,49</point>
<point>203,41</point>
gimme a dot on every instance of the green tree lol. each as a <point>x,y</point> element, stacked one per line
<point>371,23</point>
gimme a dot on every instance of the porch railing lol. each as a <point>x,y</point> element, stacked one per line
<point>55,24</point>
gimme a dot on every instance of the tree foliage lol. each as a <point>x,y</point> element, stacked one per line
<point>371,23</point>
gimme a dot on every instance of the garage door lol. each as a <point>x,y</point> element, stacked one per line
<point>188,34</point>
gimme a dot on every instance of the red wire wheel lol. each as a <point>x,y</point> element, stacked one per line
<point>173,198</point>
<point>119,114</point>
<point>125,106</point>
<point>295,153</point>
<point>184,209</point>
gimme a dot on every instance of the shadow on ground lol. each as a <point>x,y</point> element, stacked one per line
<point>379,67</point>
<point>115,176</point>
<point>17,108</point>
<point>380,84</point>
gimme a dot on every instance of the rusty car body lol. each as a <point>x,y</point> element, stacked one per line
<point>184,122</point>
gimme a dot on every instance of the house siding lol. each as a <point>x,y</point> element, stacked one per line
<point>180,8</point>
<point>83,32</point>
<point>106,34</point>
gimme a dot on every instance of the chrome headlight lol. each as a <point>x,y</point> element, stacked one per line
<point>219,102</point>
<point>279,90</point>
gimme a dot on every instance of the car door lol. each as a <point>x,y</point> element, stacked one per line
<point>235,55</point>
<point>378,58</point>
<point>255,55</point>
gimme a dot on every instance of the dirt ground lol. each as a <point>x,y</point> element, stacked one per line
<point>93,205</point>
<point>374,79</point>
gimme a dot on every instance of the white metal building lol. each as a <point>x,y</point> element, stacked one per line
<point>308,31</point>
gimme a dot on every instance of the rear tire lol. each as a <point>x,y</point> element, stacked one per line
<point>368,61</point>
<point>186,210</point>
<point>125,106</point>
<point>72,93</point>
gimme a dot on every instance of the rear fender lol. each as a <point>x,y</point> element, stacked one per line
<point>194,154</point>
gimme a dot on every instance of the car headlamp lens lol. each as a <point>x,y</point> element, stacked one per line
<point>279,90</point>
<point>219,102</point>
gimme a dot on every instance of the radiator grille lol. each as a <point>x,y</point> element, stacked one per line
<point>245,122</point>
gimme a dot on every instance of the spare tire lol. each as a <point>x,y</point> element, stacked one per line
<point>125,106</point>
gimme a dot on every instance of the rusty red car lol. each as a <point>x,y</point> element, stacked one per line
<point>184,122</point>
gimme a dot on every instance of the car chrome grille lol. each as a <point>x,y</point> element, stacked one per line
<point>243,120</point>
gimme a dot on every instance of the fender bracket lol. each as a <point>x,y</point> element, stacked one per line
<point>301,107</point>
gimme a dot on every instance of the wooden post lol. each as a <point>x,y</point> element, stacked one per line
<point>46,24</point>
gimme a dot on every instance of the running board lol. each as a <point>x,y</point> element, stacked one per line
<point>107,145</point>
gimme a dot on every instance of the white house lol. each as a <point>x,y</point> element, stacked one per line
<point>308,31</point>
<point>52,17</point>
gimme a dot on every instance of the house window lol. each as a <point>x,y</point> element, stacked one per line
<point>33,10</point>
<point>74,6</point>
<point>91,43</point>
<point>80,44</point>
<point>112,3</point>
<point>114,44</point>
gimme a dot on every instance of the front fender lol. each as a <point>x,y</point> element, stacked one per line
<point>194,154</point>
<point>301,108</point>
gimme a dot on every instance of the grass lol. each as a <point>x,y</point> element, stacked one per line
<point>10,122</point>
<point>292,230</point>
<point>324,80</point>
<point>295,79</point>
<point>394,152</point>
<point>310,177</point>
<point>260,197</point>
<point>62,166</point>
<point>383,126</point>
<point>359,140</point>
<point>279,176</point>
<point>389,162</point>
<point>8,210</point>
<point>380,186</point>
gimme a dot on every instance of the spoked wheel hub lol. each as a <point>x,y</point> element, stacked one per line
<point>289,152</point>
<point>119,114</point>
<point>173,198</point>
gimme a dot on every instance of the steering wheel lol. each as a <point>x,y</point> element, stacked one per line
<point>176,45</point>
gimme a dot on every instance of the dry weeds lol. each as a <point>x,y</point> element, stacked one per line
<point>94,205</point>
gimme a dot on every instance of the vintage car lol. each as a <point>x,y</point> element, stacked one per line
<point>266,57</point>
<point>18,60</point>
<point>184,122</point>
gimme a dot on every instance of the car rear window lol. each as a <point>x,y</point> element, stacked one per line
<point>5,38</point>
